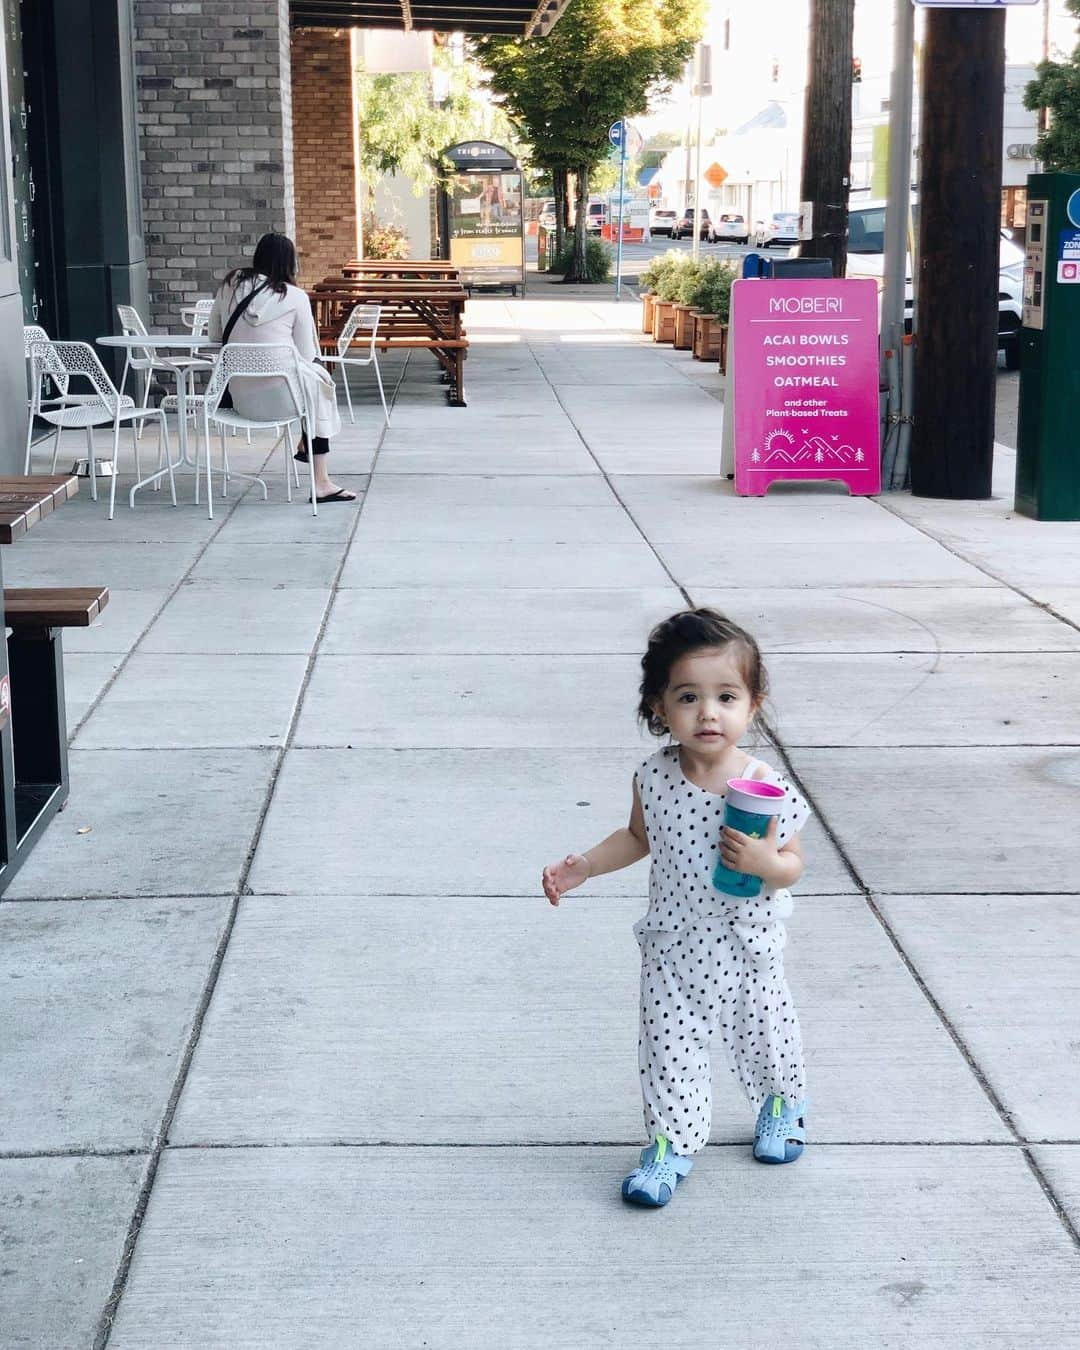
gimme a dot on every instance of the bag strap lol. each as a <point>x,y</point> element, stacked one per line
<point>227,332</point>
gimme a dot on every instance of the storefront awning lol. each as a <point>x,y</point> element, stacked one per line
<point>513,18</point>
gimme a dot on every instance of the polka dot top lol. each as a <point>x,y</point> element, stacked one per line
<point>683,823</point>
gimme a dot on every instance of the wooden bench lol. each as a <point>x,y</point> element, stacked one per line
<point>37,617</point>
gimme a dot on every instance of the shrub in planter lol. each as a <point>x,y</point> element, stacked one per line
<point>688,281</point>
<point>714,300</point>
<point>598,260</point>
<point>658,267</point>
<point>665,296</point>
<point>718,291</point>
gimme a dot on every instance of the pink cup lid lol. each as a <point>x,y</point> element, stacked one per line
<point>753,787</point>
<point>750,794</point>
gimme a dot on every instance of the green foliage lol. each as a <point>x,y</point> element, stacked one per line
<point>403,128</point>
<point>652,275</point>
<point>659,146</point>
<point>715,295</point>
<point>598,260</point>
<point>689,279</point>
<point>1057,86</point>
<point>601,61</point>
<point>704,284</point>
<point>384,241</point>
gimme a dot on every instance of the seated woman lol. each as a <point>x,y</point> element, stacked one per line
<point>278,311</point>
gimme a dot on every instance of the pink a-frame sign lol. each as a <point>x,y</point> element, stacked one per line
<point>806,383</point>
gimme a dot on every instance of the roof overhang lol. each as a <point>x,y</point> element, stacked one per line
<point>514,18</point>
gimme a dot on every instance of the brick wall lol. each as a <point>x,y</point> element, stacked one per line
<point>324,150</point>
<point>215,131</point>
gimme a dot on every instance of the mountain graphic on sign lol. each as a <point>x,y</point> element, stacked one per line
<point>819,449</point>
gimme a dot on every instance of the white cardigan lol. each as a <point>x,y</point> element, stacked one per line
<point>283,319</point>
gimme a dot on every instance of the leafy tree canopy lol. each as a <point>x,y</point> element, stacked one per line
<point>1057,86</point>
<point>601,61</point>
<point>403,128</point>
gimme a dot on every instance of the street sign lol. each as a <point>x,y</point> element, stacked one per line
<point>971,4</point>
<point>715,175</point>
<point>624,130</point>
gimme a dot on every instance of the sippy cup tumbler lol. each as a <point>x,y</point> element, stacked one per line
<point>748,808</point>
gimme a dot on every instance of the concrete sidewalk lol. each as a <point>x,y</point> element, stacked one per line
<point>292,1027</point>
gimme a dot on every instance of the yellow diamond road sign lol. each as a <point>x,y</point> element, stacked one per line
<point>715,175</point>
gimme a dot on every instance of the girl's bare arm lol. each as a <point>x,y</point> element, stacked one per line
<point>625,846</point>
<point>618,850</point>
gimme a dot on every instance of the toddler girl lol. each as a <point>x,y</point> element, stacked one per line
<point>711,964</point>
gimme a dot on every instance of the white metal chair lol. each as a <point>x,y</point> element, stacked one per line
<point>144,360</point>
<point>250,360</point>
<point>363,319</point>
<point>108,407</point>
<point>45,371</point>
<point>197,316</point>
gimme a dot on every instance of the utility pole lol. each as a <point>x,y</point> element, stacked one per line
<point>702,86</point>
<point>963,105</point>
<point>826,165</point>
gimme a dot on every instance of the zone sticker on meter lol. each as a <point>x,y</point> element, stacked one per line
<point>1068,269</point>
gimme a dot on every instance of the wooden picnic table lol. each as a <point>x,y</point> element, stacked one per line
<point>33,764</point>
<point>426,315</point>
<point>24,502</point>
<point>420,268</point>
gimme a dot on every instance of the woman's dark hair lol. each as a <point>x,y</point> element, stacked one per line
<point>689,631</point>
<point>275,259</point>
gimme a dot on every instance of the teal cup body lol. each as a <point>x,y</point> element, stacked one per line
<point>748,808</point>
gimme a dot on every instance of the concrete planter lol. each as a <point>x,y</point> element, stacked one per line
<point>663,325</point>
<point>684,328</point>
<point>646,312</point>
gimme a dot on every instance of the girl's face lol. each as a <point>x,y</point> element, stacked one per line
<point>707,705</point>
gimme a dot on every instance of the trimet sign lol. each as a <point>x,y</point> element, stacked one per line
<point>971,4</point>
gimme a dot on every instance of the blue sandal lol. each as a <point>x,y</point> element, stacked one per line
<point>780,1132</point>
<point>661,1170</point>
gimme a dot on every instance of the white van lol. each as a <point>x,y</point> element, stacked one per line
<point>866,258</point>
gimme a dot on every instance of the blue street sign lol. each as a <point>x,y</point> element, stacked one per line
<point>1072,208</point>
<point>617,133</point>
<point>971,4</point>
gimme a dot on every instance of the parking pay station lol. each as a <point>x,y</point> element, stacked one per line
<point>1048,450</point>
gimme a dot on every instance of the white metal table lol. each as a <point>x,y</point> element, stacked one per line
<point>161,344</point>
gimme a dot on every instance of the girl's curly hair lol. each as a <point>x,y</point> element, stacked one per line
<point>689,631</point>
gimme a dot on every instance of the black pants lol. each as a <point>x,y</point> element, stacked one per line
<point>320,445</point>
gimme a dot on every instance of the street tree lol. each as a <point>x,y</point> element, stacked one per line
<point>404,126</point>
<point>1056,87</point>
<point>602,61</point>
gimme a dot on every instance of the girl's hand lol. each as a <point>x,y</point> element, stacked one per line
<point>564,875</point>
<point>743,853</point>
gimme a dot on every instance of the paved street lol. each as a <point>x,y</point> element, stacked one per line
<point>299,1057</point>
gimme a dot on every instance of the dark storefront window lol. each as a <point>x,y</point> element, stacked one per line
<point>23,121</point>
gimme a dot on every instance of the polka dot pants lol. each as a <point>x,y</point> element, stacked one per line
<point>722,977</point>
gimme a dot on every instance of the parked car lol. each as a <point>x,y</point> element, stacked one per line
<point>684,225</point>
<point>782,227</point>
<point>547,214</point>
<point>866,258</point>
<point>597,217</point>
<point>662,221</point>
<point>730,228</point>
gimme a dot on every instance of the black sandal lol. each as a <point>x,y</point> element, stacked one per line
<point>341,495</point>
